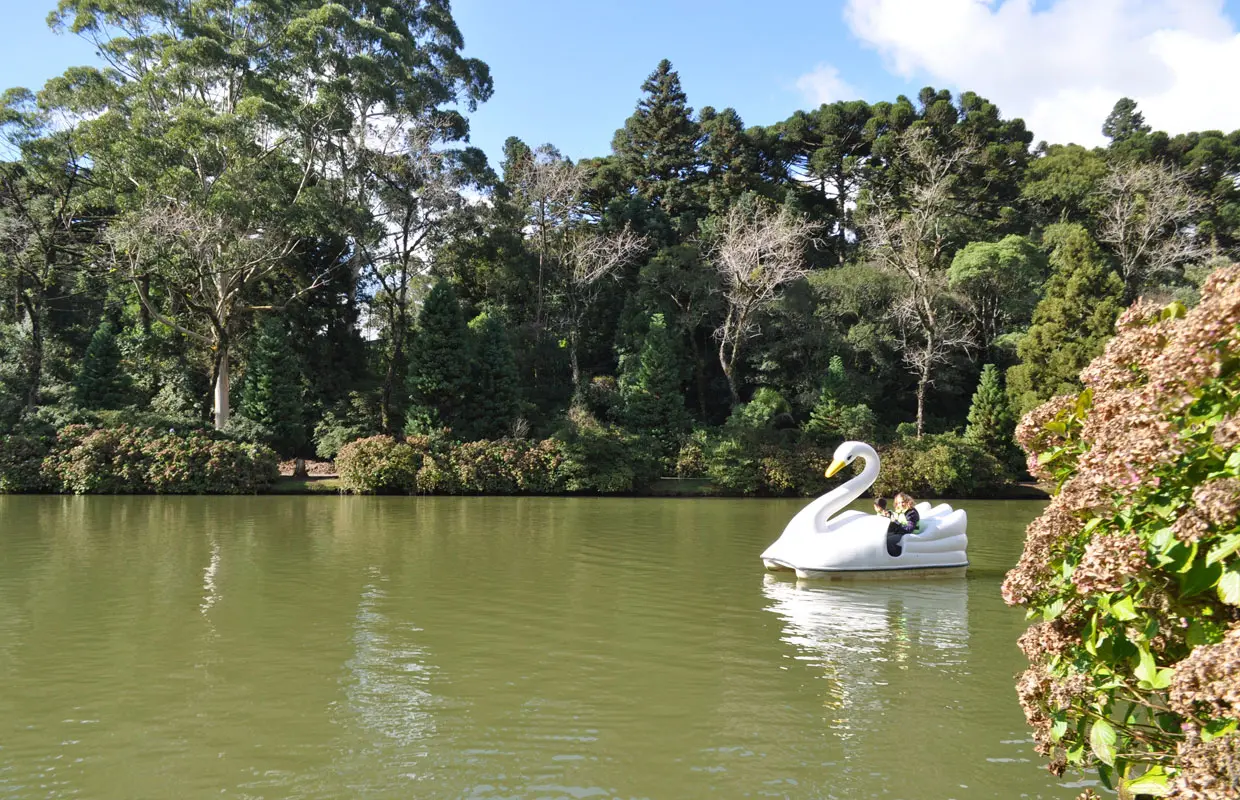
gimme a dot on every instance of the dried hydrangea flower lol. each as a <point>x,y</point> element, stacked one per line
<point>1218,501</point>
<point>1209,678</point>
<point>1109,561</point>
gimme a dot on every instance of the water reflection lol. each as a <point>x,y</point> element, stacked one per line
<point>871,640</point>
<point>388,675</point>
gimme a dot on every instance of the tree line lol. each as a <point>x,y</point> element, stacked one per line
<point>270,217</point>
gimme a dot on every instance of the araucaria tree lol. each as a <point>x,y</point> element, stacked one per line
<point>757,251</point>
<point>1132,573</point>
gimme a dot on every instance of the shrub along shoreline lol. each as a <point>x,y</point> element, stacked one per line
<point>101,455</point>
<point>128,453</point>
<point>112,454</point>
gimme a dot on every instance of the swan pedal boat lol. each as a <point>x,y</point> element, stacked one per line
<point>824,540</point>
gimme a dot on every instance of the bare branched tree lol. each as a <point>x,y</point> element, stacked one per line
<point>412,193</point>
<point>550,186</point>
<point>589,256</point>
<point>1147,213</point>
<point>756,251</point>
<point>909,237</point>
<point>204,266</point>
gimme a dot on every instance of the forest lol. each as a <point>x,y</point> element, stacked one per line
<point>264,223</point>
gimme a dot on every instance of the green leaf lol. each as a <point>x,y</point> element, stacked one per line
<point>1199,577</point>
<point>1124,610</point>
<point>1229,587</point>
<point>1216,728</point>
<point>1163,538</point>
<point>1146,670</point>
<point>1223,549</point>
<point>1102,741</point>
<point>1196,635</point>
<point>1058,729</point>
<point>1153,782</point>
<point>1233,461</point>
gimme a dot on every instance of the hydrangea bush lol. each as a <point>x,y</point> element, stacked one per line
<point>1133,570</point>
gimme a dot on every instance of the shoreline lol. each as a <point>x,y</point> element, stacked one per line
<point>665,488</point>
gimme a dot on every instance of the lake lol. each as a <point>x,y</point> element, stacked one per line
<point>371,647</point>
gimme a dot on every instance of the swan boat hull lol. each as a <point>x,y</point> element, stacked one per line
<point>854,544</point>
<point>827,539</point>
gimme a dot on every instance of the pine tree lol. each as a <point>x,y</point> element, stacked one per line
<point>657,146</point>
<point>492,402</point>
<point>833,419</point>
<point>990,419</point>
<point>1124,121</point>
<point>439,361</point>
<point>101,383</point>
<point>653,400</point>
<point>1071,324</point>
<point>272,387</point>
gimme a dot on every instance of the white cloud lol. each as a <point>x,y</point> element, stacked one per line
<point>1062,67</point>
<point>824,85</point>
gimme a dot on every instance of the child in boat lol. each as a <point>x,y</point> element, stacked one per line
<point>904,521</point>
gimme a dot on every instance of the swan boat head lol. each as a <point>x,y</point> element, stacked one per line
<point>847,453</point>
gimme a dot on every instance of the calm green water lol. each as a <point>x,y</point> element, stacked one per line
<point>319,647</point>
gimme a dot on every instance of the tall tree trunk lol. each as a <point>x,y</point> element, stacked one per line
<point>34,359</point>
<point>574,362</point>
<point>923,380</point>
<point>699,372</point>
<point>144,313</point>
<point>391,375</point>
<point>222,385</point>
<point>728,362</point>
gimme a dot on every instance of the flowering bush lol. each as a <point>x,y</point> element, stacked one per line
<point>128,459</point>
<point>1132,570</point>
<point>432,464</point>
<point>378,465</point>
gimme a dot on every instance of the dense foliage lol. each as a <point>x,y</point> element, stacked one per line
<point>255,243</point>
<point>105,457</point>
<point>1133,571</point>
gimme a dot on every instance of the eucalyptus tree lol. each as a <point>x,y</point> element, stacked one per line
<point>47,223</point>
<point>264,121</point>
<point>416,191</point>
<point>549,189</point>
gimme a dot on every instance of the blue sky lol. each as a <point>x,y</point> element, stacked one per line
<point>569,72</point>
